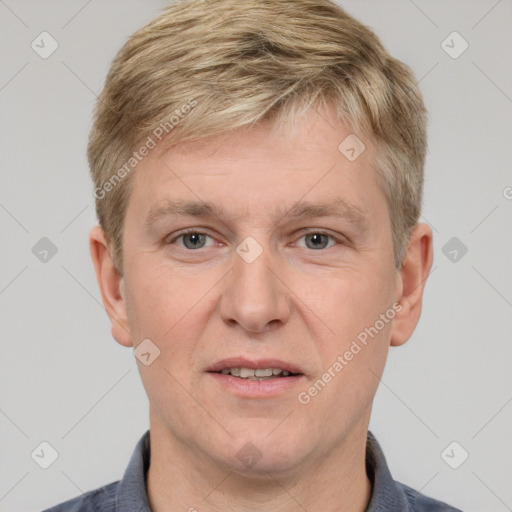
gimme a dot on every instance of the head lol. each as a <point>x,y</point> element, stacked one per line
<point>202,106</point>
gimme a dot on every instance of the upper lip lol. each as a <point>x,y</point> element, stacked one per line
<point>243,362</point>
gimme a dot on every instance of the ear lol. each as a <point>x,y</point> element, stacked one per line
<point>413,274</point>
<point>111,285</point>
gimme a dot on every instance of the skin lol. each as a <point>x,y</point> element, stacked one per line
<point>295,302</point>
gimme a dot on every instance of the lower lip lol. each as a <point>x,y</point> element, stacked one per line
<point>256,388</point>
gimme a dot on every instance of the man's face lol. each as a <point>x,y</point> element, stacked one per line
<point>258,287</point>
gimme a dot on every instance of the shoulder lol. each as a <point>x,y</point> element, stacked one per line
<point>102,499</point>
<point>420,503</point>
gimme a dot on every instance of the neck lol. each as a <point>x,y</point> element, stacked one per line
<point>181,479</point>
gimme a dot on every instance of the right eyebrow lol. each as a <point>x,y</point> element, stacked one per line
<point>167,208</point>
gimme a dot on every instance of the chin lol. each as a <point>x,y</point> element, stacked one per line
<point>262,468</point>
<point>257,453</point>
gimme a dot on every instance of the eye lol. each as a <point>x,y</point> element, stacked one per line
<point>191,239</point>
<point>317,240</point>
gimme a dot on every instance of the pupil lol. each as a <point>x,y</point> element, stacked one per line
<point>317,238</point>
<point>195,238</point>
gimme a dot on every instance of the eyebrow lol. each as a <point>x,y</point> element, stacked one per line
<point>339,208</point>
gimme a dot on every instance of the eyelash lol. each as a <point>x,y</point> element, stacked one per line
<point>197,232</point>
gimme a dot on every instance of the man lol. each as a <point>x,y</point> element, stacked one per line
<point>258,171</point>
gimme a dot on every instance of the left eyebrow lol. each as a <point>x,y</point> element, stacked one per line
<point>339,208</point>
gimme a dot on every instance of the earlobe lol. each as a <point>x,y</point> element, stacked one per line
<point>111,285</point>
<point>413,274</point>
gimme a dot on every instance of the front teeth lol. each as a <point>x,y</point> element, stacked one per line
<point>263,372</point>
<point>252,374</point>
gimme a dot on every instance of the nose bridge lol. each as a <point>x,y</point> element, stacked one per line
<point>254,296</point>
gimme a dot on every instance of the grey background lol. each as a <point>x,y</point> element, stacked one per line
<point>64,380</point>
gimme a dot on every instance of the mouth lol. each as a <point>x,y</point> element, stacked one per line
<point>263,378</point>
<point>260,369</point>
<point>243,372</point>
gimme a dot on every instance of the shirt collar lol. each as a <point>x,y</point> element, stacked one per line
<point>386,495</point>
<point>131,493</point>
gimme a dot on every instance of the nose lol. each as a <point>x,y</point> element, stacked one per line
<point>255,295</point>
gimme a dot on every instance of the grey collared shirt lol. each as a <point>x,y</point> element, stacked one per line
<point>129,494</point>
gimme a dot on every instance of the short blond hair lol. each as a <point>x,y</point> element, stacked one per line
<point>200,69</point>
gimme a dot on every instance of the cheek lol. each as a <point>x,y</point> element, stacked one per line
<point>348,302</point>
<point>157,300</point>
<point>351,309</point>
<point>171,311</point>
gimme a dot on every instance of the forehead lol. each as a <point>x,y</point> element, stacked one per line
<point>303,169</point>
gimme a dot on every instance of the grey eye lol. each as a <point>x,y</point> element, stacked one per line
<point>197,240</point>
<point>318,240</point>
